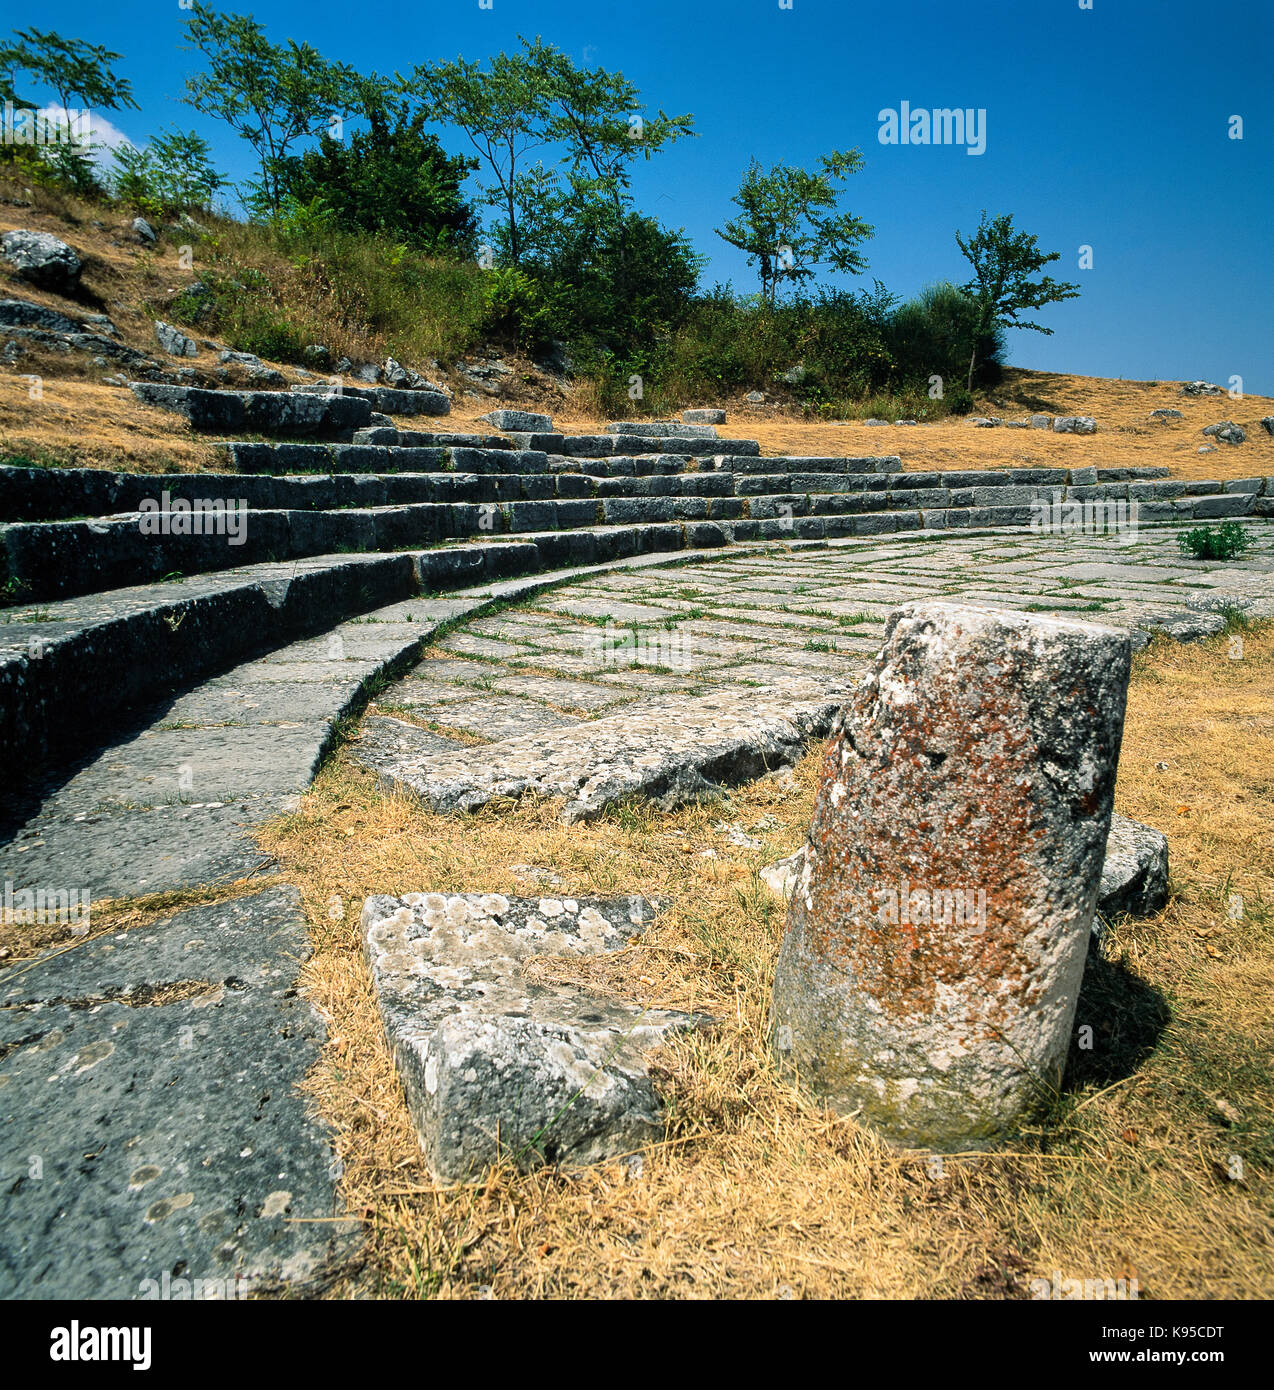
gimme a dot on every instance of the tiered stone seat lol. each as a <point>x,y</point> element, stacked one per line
<point>75,531</point>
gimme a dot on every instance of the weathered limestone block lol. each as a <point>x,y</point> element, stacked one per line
<point>936,940</point>
<point>670,751</point>
<point>1134,877</point>
<point>504,419</point>
<point>497,1064</point>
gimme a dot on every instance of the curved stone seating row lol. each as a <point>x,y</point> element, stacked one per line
<point>186,533</point>
<point>112,651</point>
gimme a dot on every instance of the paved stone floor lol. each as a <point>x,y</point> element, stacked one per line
<point>626,638</point>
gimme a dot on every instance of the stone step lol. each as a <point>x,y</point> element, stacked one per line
<point>422,439</point>
<point>1204,507</point>
<point>44,560</point>
<point>782,463</point>
<point>627,466</point>
<point>379,458</point>
<point>54,494</point>
<point>109,651</point>
<point>51,494</point>
<point>287,413</point>
<point>661,429</point>
<point>112,651</point>
<point>387,400</point>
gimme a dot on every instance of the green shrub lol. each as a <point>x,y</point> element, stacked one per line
<point>392,178</point>
<point>172,172</point>
<point>932,334</point>
<point>515,307</point>
<point>1223,542</point>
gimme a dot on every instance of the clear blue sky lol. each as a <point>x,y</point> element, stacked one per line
<point>1105,126</point>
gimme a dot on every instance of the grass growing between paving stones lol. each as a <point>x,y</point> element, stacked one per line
<point>19,940</point>
<point>1155,1162</point>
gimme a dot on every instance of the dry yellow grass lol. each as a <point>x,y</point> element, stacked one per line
<point>1126,436</point>
<point>89,425</point>
<point>756,1192</point>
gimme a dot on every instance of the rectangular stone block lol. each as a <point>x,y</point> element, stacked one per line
<point>578,513</point>
<point>398,528</point>
<point>1207,508</point>
<point>574,485</point>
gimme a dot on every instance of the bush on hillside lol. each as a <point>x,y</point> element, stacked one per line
<point>392,178</point>
<point>931,335</point>
<point>171,173</point>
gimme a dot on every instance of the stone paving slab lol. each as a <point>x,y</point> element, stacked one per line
<point>497,1065</point>
<point>382,738</point>
<point>498,718</point>
<point>468,645</point>
<point>569,693</point>
<point>410,693</point>
<point>124,852</point>
<point>170,1136</point>
<point>160,767</point>
<point>446,669</point>
<point>671,752</point>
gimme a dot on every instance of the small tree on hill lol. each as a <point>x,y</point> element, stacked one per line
<point>527,101</point>
<point>77,72</point>
<point>1003,262</point>
<point>789,224</point>
<point>272,95</point>
<point>172,171</point>
<point>503,110</point>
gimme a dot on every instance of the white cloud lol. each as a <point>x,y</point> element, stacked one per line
<point>105,137</point>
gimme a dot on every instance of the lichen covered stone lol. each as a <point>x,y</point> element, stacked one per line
<point>935,943</point>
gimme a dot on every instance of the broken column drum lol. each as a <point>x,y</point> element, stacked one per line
<point>935,943</point>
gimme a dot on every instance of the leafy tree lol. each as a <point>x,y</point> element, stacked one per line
<point>392,177</point>
<point>624,290</point>
<point>503,112</point>
<point>72,68</point>
<point>1003,262</point>
<point>172,172</point>
<point>598,116</point>
<point>788,223</point>
<point>272,95</point>
<point>537,98</point>
<point>78,73</point>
